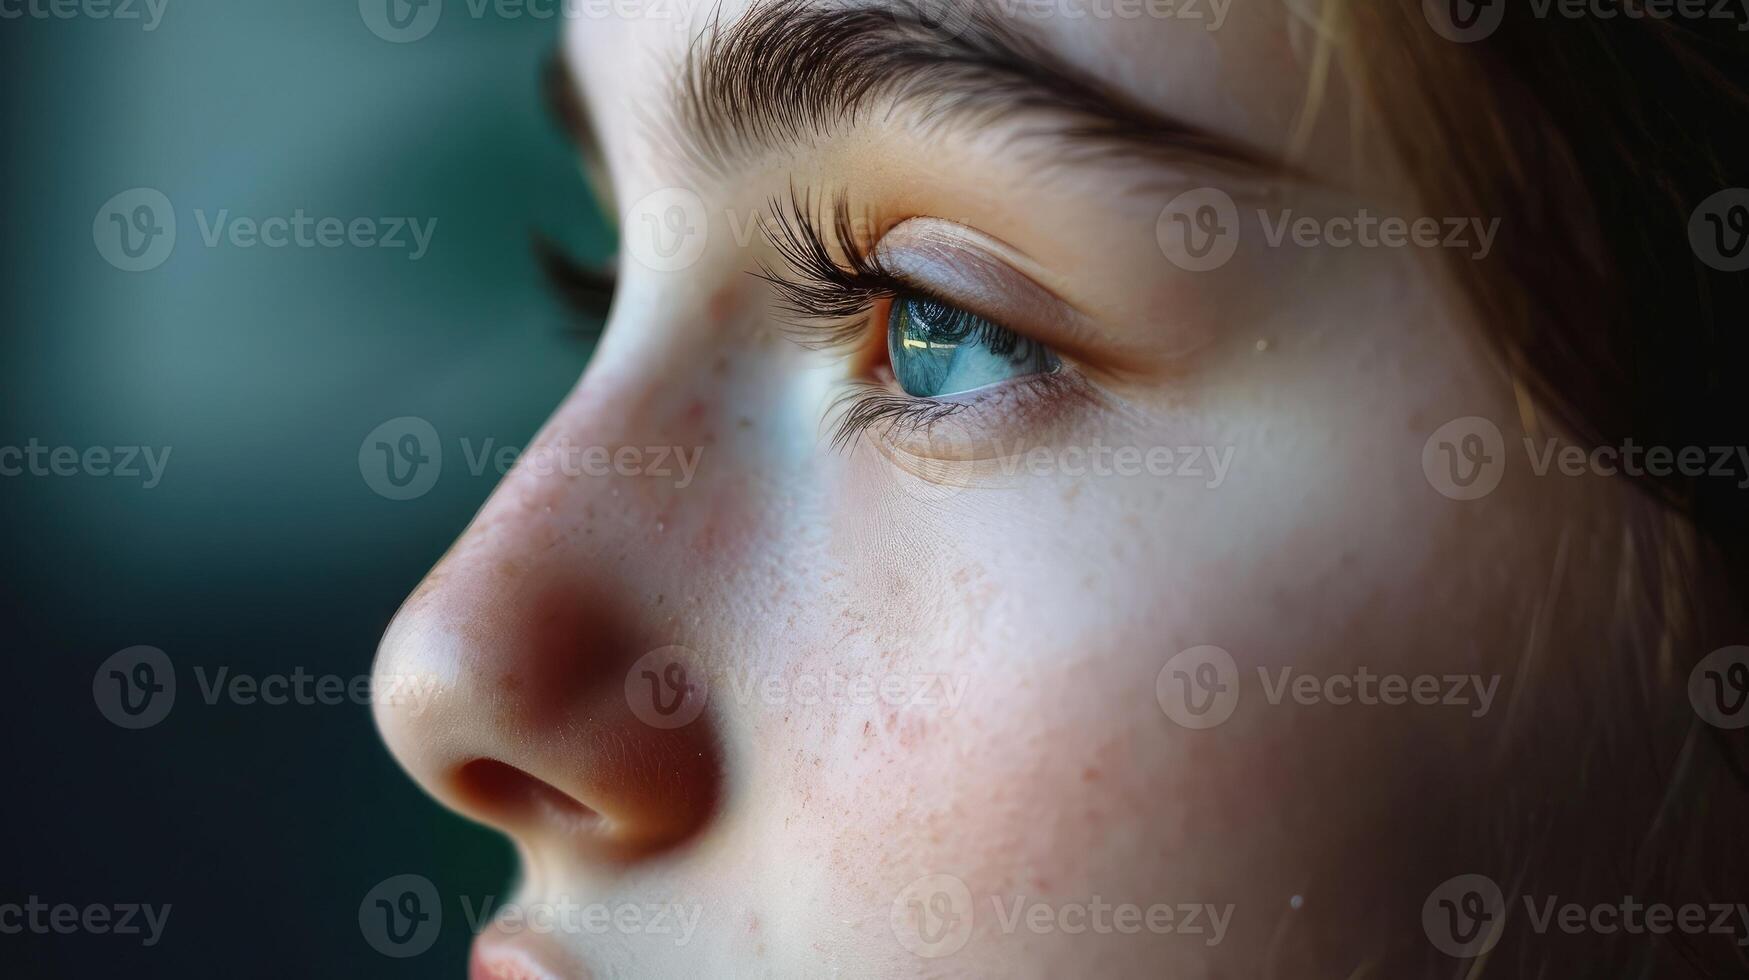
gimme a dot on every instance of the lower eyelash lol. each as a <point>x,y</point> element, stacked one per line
<point>1035,404</point>
<point>865,404</point>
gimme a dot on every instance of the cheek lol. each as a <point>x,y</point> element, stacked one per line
<point>1012,739</point>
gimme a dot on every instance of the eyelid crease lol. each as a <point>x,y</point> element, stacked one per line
<point>985,275</point>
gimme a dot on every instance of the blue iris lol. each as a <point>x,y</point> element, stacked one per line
<point>937,349</point>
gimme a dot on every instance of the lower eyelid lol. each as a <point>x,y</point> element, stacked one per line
<point>871,355</point>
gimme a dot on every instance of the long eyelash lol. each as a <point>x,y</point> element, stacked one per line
<point>827,299</point>
<point>822,298</point>
<point>865,404</point>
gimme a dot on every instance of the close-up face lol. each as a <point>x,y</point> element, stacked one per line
<point>559,489</point>
<point>1042,534</point>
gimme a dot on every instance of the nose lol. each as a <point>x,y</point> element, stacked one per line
<point>541,689</point>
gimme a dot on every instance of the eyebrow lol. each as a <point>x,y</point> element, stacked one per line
<point>792,71</point>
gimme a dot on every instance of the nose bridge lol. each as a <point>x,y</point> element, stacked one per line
<point>528,630</point>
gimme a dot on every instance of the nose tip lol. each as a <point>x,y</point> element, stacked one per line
<point>528,727</point>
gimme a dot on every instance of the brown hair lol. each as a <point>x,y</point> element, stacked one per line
<point>1594,140</point>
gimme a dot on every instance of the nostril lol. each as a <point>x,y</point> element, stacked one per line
<point>508,796</point>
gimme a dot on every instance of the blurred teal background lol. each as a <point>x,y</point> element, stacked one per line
<point>263,549</point>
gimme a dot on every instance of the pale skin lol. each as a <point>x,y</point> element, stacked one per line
<point>1045,600</point>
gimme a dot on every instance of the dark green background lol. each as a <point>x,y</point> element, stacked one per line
<point>263,550</point>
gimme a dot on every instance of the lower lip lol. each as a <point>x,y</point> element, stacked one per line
<point>500,963</point>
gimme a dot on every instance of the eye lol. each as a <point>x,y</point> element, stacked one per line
<point>937,349</point>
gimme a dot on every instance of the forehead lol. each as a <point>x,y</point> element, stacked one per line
<point>1228,66</point>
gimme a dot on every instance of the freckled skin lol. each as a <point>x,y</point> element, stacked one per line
<point>1054,601</point>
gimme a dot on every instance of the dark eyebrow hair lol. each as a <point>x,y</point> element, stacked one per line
<point>790,71</point>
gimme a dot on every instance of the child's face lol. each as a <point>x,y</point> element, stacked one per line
<point>948,650</point>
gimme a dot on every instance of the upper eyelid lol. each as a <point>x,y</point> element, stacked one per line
<point>929,252</point>
<point>829,296</point>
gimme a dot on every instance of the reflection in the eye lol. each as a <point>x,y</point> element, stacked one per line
<point>937,349</point>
